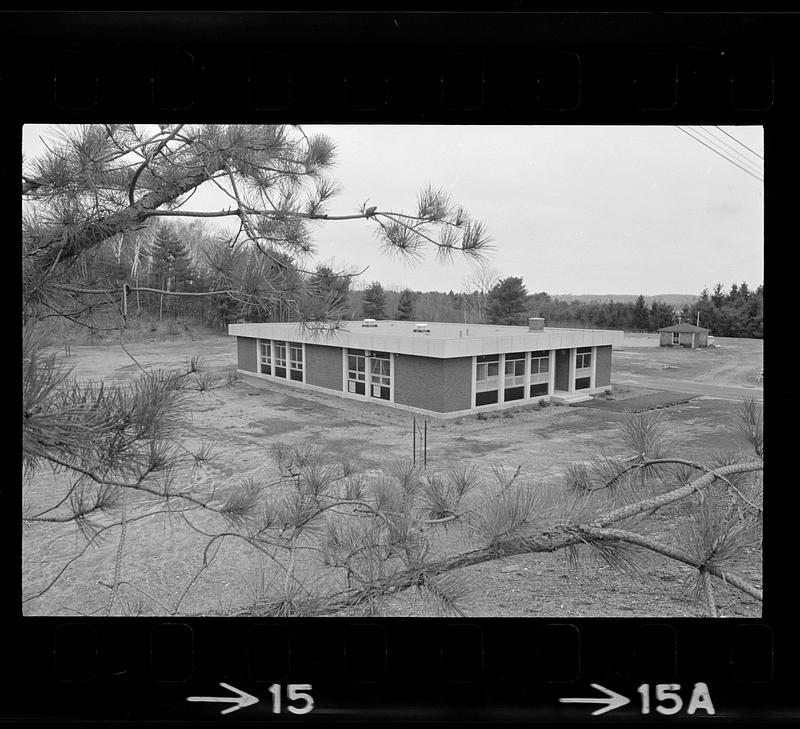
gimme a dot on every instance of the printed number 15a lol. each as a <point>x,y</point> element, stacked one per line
<point>669,702</point>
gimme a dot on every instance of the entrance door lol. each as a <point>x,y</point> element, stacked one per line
<point>562,369</point>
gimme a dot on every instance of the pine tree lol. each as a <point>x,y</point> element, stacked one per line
<point>640,319</point>
<point>507,301</point>
<point>328,291</point>
<point>718,296</point>
<point>661,314</point>
<point>405,306</point>
<point>373,305</point>
<point>172,269</point>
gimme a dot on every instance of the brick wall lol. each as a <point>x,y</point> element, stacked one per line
<point>440,385</point>
<point>419,382</point>
<point>458,384</point>
<point>602,374</point>
<point>324,366</point>
<point>247,354</point>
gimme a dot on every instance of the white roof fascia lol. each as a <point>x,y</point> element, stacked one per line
<point>428,345</point>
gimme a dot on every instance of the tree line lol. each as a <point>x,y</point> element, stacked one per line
<point>736,313</point>
<point>162,259</point>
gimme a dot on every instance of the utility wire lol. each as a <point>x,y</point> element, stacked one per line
<point>739,141</point>
<point>720,143</point>
<point>744,169</point>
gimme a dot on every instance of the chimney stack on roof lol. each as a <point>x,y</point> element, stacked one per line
<point>536,324</point>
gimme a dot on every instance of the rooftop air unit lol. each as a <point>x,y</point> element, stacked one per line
<point>536,324</point>
<point>421,327</point>
<point>369,323</point>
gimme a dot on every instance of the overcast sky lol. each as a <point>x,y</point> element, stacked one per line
<point>571,209</point>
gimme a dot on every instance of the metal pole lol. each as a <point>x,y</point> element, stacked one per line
<point>414,439</point>
<point>425,449</point>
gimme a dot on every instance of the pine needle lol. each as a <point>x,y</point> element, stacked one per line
<point>443,593</point>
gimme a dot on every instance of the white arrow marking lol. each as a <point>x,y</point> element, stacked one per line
<point>242,700</point>
<point>613,700</point>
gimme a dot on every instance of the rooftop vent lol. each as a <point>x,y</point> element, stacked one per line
<point>369,323</point>
<point>536,324</point>
<point>421,327</point>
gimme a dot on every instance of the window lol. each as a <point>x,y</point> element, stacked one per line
<point>380,375</point>
<point>540,373</point>
<point>581,383</point>
<point>583,358</point>
<point>539,389</point>
<point>515,369</point>
<point>356,372</point>
<point>280,359</point>
<point>676,337</point>
<point>487,379</point>
<point>540,363</point>
<point>486,398</point>
<point>265,357</point>
<point>296,361</point>
<point>514,376</point>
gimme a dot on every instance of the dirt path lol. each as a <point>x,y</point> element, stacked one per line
<point>725,392</point>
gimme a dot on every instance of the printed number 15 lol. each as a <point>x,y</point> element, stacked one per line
<point>294,692</point>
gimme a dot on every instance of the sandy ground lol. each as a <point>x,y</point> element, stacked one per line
<point>245,418</point>
<point>730,369</point>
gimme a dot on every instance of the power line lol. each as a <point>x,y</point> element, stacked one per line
<point>739,141</point>
<point>753,166</point>
<point>715,151</point>
<point>723,155</point>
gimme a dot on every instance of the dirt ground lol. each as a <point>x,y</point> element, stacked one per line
<point>245,418</point>
<point>730,362</point>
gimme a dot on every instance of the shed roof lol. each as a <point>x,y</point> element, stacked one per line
<point>684,328</point>
<point>444,339</point>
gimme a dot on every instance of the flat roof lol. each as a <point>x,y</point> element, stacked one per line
<point>444,340</point>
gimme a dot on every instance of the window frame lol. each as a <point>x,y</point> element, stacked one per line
<point>296,363</point>
<point>353,378</point>
<point>540,369</point>
<point>488,382</point>
<point>279,365</point>
<point>380,379</point>
<point>265,356</point>
<point>280,354</point>
<point>516,377</point>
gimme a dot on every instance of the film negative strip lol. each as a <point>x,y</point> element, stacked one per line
<point>121,639</point>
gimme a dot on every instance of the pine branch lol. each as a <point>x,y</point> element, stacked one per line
<point>673,553</point>
<point>555,539</point>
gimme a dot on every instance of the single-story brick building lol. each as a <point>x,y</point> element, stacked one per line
<point>683,335</point>
<point>443,369</point>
